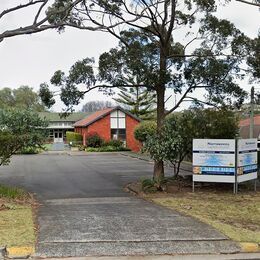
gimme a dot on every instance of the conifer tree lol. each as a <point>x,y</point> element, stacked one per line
<point>139,101</point>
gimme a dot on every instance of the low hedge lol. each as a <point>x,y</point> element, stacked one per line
<point>106,149</point>
<point>73,138</point>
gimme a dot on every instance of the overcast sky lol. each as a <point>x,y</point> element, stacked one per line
<point>32,59</point>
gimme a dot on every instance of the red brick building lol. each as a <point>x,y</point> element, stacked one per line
<point>244,126</point>
<point>111,124</point>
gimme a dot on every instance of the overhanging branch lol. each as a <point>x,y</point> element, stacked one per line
<point>255,3</point>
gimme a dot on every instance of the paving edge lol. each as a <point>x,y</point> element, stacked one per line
<point>131,190</point>
<point>20,252</point>
<point>249,247</point>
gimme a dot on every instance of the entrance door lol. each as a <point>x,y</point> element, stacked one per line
<point>58,136</point>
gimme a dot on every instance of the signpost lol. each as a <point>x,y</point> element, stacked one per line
<point>224,160</point>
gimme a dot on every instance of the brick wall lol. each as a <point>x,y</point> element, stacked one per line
<point>131,142</point>
<point>102,127</point>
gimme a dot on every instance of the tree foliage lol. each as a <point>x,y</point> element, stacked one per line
<point>45,14</point>
<point>21,98</point>
<point>144,130</point>
<point>96,105</point>
<point>139,101</point>
<point>46,96</point>
<point>253,59</point>
<point>59,14</point>
<point>19,129</point>
<point>175,141</point>
<point>150,54</point>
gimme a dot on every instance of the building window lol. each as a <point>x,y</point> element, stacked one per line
<point>51,133</point>
<point>118,134</point>
<point>117,120</point>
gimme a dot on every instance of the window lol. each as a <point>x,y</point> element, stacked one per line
<point>117,124</point>
<point>51,133</point>
<point>117,120</point>
<point>118,134</point>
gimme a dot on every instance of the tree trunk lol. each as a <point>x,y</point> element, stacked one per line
<point>158,173</point>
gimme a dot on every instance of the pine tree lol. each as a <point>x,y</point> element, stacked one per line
<point>139,101</point>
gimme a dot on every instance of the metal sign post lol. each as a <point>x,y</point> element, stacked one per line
<point>236,158</point>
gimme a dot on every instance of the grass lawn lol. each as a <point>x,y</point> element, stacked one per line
<point>47,147</point>
<point>16,218</point>
<point>238,217</point>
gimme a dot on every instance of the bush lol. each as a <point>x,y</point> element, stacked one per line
<point>12,193</point>
<point>94,140</point>
<point>82,147</point>
<point>74,138</point>
<point>114,143</point>
<point>144,129</point>
<point>106,149</point>
<point>29,150</point>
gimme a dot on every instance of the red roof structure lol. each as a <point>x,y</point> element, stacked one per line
<point>94,117</point>
<point>246,122</point>
<point>110,124</point>
<point>244,126</point>
<point>100,114</point>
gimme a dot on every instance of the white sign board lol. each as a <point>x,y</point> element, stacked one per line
<point>214,160</point>
<point>247,159</point>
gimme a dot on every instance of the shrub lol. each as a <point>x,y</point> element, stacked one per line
<point>29,150</point>
<point>144,129</point>
<point>12,192</point>
<point>82,147</point>
<point>114,143</point>
<point>74,138</point>
<point>106,149</point>
<point>94,140</point>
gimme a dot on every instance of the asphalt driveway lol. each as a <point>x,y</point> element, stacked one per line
<point>86,212</point>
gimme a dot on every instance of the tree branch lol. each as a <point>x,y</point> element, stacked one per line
<point>179,102</point>
<point>18,7</point>
<point>249,3</point>
<point>200,101</point>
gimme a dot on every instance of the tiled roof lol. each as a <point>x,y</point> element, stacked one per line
<point>244,131</point>
<point>246,122</point>
<point>102,113</point>
<point>94,117</point>
<point>55,117</point>
<point>244,126</point>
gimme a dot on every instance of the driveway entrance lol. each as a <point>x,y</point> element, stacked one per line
<point>85,210</point>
